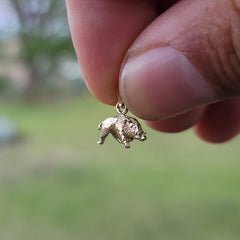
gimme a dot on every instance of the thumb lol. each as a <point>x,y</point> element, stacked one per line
<point>189,56</point>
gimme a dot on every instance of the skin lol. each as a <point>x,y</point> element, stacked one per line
<point>114,37</point>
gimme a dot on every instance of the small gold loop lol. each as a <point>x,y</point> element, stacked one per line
<point>121,108</point>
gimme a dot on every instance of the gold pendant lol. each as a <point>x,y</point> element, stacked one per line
<point>123,128</point>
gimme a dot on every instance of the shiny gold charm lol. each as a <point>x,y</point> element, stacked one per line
<point>123,128</point>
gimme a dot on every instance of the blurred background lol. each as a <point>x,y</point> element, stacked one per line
<point>57,183</point>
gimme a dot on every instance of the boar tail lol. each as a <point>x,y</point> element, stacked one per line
<point>100,126</point>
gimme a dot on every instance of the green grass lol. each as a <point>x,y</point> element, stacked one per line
<point>59,184</point>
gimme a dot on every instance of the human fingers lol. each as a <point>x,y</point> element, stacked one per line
<point>102,31</point>
<point>188,57</point>
<point>220,122</point>
<point>178,123</point>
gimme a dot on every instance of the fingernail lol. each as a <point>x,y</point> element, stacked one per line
<point>162,82</point>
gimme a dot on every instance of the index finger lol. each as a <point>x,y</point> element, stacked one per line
<point>102,31</point>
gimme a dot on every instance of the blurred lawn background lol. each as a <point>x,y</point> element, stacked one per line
<point>57,183</point>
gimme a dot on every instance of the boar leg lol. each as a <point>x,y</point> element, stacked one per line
<point>119,140</point>
<point>103,136</point>
<point>125,142</point>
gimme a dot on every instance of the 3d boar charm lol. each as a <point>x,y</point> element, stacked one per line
<point>123,128</point>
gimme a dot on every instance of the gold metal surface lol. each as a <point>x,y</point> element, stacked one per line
<point>123,128</point>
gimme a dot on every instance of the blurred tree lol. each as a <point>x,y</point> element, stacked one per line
<point>43,36</point>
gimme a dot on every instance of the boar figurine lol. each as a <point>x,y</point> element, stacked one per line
<point>123,128</point>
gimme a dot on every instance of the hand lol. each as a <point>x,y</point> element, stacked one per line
<point>171,60</point>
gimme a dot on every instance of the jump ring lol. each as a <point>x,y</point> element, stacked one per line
<point>121,108</point>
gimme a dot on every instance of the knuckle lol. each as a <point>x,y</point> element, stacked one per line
<point>226,62</point>
<point>220,59</point>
